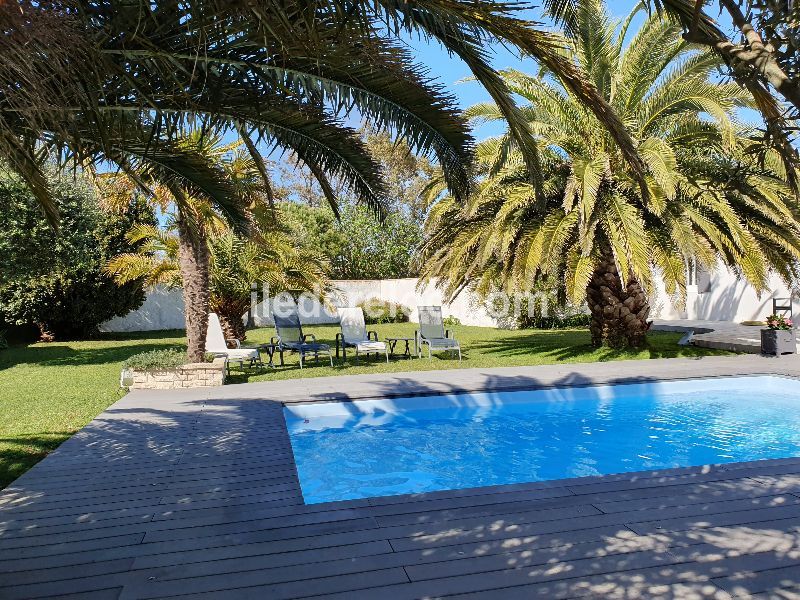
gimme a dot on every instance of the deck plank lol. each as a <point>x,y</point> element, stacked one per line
<point>195,494</point>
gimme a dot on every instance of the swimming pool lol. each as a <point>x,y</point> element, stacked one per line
<point>347,450</point>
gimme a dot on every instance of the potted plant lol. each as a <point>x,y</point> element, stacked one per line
<point>778,337</point>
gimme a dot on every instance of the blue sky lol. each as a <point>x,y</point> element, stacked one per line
<point>450,70</point>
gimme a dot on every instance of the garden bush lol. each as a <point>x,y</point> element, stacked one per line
<point>54,278</point>
<point>156,360</point>
<point>380,311</point>
<point>526,312</point>
<point>451,321</point>
<point>567,321</point>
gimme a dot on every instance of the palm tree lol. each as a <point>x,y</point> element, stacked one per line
<point>94,81</point>
<point>195,216</point>
<point>765,59</point>
<point>199,228</point>
<point>714,195</point>
<point>235,264</point>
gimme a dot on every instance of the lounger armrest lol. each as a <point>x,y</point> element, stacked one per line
<point>372,335</point>
<point>339,340</point>
<point>236,343</point>
<point>275,340</point>
<point>310,335</point>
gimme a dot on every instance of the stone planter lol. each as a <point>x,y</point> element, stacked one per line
<point>187,376</point>
<point>778,341</point>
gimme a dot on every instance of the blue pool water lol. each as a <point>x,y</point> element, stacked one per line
<point>383,447</point>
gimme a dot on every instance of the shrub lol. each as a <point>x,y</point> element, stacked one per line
<point>557,317</point>
<point>380,311</point>
<point>451,321</point>
<point>547,309</point>
<point>569,321</point>
<point>156,360</point>
<point>54,278</point>
<point>358,245</point>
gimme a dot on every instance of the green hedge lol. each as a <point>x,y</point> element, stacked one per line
<point>378,311</point>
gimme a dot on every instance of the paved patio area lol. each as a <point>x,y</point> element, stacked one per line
<point>723,335</point>
<point>194,494</point>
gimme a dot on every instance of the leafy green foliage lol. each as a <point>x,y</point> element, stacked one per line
<point>714,194</point>
<point>781,322</point>
<point>451,321</point>
<point>406,175</point>
<point>155,360</point>
<point>563,320</point>
<point>358,245</point>
<point>55,279</point>
<point>239,267</point>
<point>382,311</point>
<point>293,75</point>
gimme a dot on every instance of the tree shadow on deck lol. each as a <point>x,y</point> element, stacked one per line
<point>210,461</point>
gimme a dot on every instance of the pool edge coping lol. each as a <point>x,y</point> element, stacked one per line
<point>651,474</point>
<point>469,389</point>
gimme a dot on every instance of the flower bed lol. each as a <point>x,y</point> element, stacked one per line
<point>166,370</point>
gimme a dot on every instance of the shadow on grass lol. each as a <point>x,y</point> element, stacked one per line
<point>344,367</point>
<point>570,345</point>
<point>20,453</point>
<point>140,335</point>
<point>57,354</point>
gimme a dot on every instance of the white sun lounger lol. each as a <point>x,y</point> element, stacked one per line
<point>355,335</point>
<point>217,344</point>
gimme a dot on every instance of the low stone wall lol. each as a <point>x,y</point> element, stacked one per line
<point>188,376</point>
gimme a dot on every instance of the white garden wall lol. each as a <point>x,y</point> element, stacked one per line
<point>400,291</point>
<point>163,308</point>
<point>727,299</point>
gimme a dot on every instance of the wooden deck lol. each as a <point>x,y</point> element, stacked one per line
<point>194,494</point>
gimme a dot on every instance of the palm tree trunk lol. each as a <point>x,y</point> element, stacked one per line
<point>193,261</point>
<point>619,312</point>
<point>230,317</point>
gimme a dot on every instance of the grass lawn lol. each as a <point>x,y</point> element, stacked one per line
<point>49,391</point>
